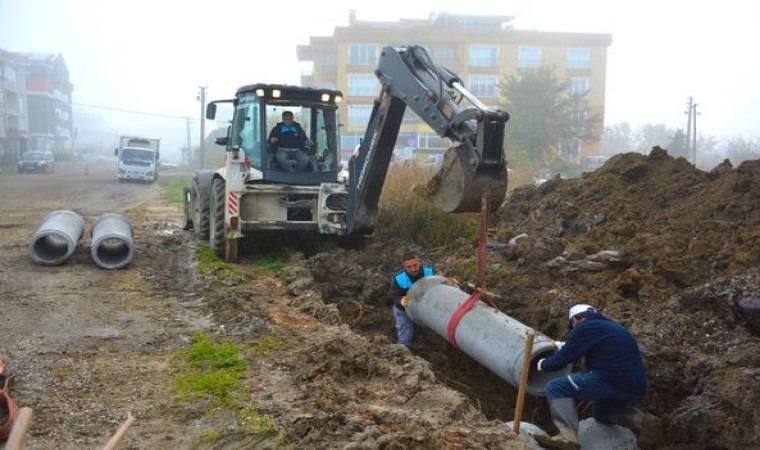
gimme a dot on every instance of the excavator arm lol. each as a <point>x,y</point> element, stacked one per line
<point>474,166</point>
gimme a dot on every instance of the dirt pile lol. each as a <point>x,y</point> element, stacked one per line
<point>671,252</point>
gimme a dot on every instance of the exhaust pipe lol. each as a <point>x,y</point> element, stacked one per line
<point>57,238</point>
<point>112,246</point>
<point>487,335</point>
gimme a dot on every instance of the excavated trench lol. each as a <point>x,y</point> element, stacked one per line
<point>493,396</point>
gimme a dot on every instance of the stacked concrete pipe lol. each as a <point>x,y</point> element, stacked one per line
<point>112,246</point>
<point>57,238</point>
<point>487,335</point>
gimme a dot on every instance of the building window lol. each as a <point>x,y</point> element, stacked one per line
<point>571,149</point>
<point>329,60</point>
<point>348,142</point>
<point>484,56</point>
<point>577,86</point>
<point>363,85</point>
<point>528,57</point>
<point>578,116</point>
<point>9,74</point>
<point>358,115</point>
<point>362,54</point>
<point>443,54</point>
<point>410,117</point>
<point>578,58</point>
<point>483,86</point>
<point>432,140</point>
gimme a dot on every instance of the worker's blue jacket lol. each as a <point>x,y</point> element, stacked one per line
<point>610,351</point>
<point>402,282</point>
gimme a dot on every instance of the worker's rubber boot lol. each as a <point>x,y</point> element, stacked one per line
<point>565,440</point>
<point>565,418</point>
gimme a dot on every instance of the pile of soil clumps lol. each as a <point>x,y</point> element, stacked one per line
<point>671,252</point>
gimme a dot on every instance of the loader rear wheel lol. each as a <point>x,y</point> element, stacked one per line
<point>200,192</point>
<point>216,226</point>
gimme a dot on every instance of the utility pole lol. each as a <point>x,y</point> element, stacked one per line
<point>187,155</point>
<point>694,132</point>
<point>202,152</point>
<point>689,110</point>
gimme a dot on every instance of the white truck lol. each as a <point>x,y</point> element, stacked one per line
<point>138,158</point>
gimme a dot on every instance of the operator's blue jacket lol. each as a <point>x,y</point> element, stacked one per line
<point>610,352</point>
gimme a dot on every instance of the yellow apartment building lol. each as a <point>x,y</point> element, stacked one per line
<point>481,50</point>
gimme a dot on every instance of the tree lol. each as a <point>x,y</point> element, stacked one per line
<point>650,135</point>
<point>678,146</point>
<point>617,138</point>
<point>740,149</point>
<point>544,117</point>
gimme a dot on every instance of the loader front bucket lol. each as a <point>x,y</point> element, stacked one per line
<point>461,182</point>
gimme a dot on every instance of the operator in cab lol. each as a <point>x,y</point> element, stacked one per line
<point>290,144</point>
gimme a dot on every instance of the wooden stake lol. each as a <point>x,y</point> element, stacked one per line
<point>20,426</point>
<point>120,433</point>
<point>522,387</point>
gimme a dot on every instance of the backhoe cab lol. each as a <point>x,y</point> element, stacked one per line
<point>253,192</point>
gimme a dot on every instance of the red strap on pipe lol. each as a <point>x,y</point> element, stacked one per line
<point>451,330</point>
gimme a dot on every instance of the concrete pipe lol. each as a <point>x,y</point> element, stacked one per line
<point>112,246</point>
<point>57,238</point>
<point>487,335</point>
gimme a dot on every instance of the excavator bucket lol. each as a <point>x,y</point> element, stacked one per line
<point>461,182</point>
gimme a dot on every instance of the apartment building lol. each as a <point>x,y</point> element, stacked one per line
<point>48,102</point>
<point>14,130</point>
<point>482,50</point>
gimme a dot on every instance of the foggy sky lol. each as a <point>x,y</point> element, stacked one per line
<point>151,56</point>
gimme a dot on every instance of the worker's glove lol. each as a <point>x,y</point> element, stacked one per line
<point>538,365</point>
<point>405,301</point>
<point>453,281</point>
<point>559,344</point>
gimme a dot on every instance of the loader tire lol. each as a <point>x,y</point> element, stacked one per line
<point>217,238</point>
<point>200,195</point>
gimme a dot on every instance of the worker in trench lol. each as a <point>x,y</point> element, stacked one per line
<point>411,270</point>
<point>614,382</point>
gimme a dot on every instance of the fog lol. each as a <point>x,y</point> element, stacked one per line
<point>136,66</point>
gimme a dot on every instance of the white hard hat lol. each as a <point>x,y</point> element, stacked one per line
<point>580,308</point>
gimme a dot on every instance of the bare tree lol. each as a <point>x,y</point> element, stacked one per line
<point>617,138</point>
<point>740,149</point>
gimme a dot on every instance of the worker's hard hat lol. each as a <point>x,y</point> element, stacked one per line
<point>580,308</point>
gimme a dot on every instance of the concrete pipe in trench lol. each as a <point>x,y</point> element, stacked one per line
<point>487,335</point>
<point>56,239</point>
<point>112,246</point>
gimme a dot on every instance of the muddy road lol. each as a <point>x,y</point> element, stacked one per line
<point>89,346</point>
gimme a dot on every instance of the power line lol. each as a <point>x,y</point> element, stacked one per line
<point>135,112</point>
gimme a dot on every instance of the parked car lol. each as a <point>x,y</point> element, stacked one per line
<point>37,161</point>
<point>165,165</point>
